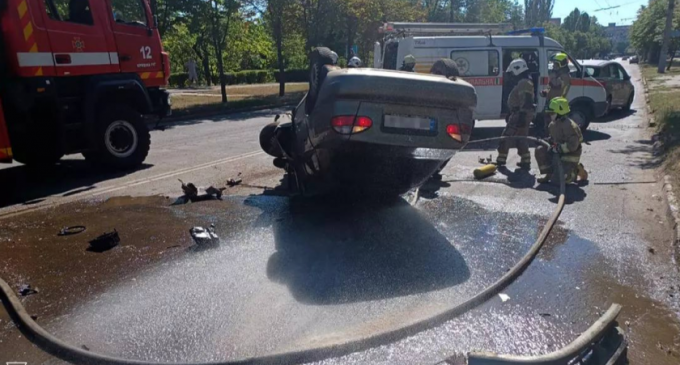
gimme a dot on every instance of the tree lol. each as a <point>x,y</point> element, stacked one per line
<point>646,34</point>
<point>621,47</point>
<point>537,12</point>
<point>666,37</point>
<point>221,13</point>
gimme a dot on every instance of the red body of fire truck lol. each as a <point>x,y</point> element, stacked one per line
<point>80,76</point>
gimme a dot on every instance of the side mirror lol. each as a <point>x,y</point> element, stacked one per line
<point>155,21</point>
<point>626,77</point>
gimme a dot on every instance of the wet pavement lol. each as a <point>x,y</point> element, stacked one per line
<point>290,274</point>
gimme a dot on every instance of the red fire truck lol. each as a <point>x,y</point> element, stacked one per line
<point>80,76</point>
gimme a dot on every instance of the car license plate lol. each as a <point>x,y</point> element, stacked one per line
<point>410,122</point>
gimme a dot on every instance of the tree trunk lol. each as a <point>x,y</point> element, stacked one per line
<point>278,34</point>
<point>206,69</point>
<point>218,53</point>
<point>670,63</point>
<point>666,37</point>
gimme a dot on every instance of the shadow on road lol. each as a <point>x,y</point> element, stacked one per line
<point>615,115</point>
<point>594,136</point>
<point>28,186</point>
<point>332,250</point>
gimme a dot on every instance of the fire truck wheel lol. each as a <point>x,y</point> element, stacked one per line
<point>123,139</point>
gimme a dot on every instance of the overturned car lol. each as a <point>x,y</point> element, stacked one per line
<point>370,130</point>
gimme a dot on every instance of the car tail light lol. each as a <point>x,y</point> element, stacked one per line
<point>348,124</point>
<point>454,131</point>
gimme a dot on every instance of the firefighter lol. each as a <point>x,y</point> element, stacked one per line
<point>559,82</point>
<point>565,140</point>
<point>521,103</point>
<point>354,62</point>
<point>409,63</point>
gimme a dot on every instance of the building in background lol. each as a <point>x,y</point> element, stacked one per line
<point>556,21</point>
<point>617,34</point>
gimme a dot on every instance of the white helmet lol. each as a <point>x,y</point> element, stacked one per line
<point>354,62</point>
<point>334,57</point>
<point>517,66</point>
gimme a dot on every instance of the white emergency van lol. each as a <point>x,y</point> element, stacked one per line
<point>482,56</point>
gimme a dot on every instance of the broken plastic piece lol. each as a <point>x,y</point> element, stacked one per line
<point>67,231</point>
<point>213,191</point>
<point>105,242</point>
<point>26,290</point>
<point>504,297</point>
<point>190,190</point>
<point>234,182</point>
<point>204,236</point>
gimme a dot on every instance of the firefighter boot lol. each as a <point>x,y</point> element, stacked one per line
<point>582,173</point>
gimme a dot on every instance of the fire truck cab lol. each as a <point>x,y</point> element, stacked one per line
<point>80,76</point>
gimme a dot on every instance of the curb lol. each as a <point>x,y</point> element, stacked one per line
<point>182,118</point>
<point>673,209</point>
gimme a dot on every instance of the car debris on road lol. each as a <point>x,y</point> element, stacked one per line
<point>26,290</point>
<point>204,237</point>
<point>105,242</point>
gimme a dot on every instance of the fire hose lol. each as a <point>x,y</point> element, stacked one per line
<point>62,350</point>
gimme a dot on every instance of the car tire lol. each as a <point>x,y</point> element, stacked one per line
<point>122,139</point>
<point>267,137</point>
<point>581,115</point>
<point>320,58</point>
<point>629,103</point>
<point>609,105</point>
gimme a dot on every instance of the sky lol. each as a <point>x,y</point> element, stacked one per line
<point>623,15</point>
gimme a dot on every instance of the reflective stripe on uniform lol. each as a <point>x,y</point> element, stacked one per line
<point>564,147</point>
<point>526,157</point>
<point>574,159</point>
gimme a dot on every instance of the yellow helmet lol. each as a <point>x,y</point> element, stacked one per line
<point>559,106</point>
<point>560,59</point>
<point>409,59</point>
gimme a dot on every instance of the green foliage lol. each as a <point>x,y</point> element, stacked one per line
<point>646,34</point>
<point>537,12</point>
<point>580,35</point>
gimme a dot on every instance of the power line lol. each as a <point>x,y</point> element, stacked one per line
<point>617,6</point>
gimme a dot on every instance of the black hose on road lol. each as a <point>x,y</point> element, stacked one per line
<point>62,350</point>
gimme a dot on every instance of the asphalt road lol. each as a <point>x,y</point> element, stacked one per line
<point>292,274</point>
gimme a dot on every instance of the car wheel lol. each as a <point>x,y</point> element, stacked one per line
<point>630,102</point>
<point>609,105</point>
<point>122,138</point>
<point>581,116</point>
<point>267,138</point>
<point>320,58</point>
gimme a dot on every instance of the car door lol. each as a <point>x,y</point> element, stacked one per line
<point>77,36</point>
<point>626,85</point>
<point>138,46</point>
<point>616,82</point>
<point>481,68</point>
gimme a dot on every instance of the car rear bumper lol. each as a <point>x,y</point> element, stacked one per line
<point>599,108</point>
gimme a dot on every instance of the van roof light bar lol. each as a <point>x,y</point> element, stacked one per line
<point>532,31</point>
<point>442,29</point>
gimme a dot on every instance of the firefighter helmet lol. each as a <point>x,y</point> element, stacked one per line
<point>559,106</point>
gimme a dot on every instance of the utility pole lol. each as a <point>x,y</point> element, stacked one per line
<point>666,37</point>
